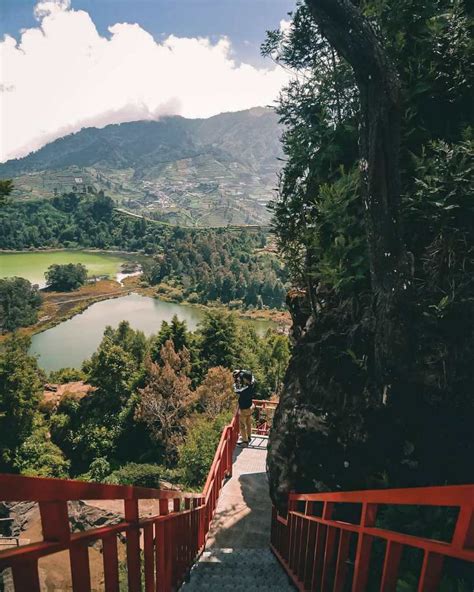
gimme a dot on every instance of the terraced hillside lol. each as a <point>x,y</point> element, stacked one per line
<point>197,172</point>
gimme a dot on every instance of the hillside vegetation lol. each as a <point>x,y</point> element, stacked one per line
<point>228,266</point>
<point>205,172</point>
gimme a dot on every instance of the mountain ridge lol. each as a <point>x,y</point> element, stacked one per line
<point>222,169</point>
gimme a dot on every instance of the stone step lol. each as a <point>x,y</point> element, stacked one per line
<point>238,570</point>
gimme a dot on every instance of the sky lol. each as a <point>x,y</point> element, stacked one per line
<point>69,64</point>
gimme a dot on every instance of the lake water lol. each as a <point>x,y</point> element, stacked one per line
<point>75,340</point>
<point>32,266</point>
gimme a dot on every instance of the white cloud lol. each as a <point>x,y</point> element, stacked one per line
<point>62,76</point>
<point>47,7</point>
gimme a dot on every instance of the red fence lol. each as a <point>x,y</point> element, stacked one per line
<point>170,544</point>
<point>322,553</point>
<point>264,412</point>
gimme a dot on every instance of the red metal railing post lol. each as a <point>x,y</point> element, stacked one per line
<point>161,575</point>
<point>110,558</point>
<point>149,557</point>
<point>133,545</point>
<point>431,572</point>
<point>463,537</point>
<point>364,547</point>
<point>25,576</point>
<point>393,554</point>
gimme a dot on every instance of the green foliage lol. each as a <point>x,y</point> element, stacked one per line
<point>217,265</point>
<point>19,303</point>
<point>65,278</point>
<point>176,332</point>
<point>141,475</point>
<point>110,370</point>
<point>37,456</point>
<point>6,187</point>
<point>218,339</point>
<point>21,383</point>
<point>197,452</point>
<point>423,435</point>
<point>65,375</point>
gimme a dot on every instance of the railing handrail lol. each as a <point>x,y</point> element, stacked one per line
<point>440,495</point>
<point>20,488</point>
<point>172,539</point>
<point>265,403</point>
<point>38,489</point>
<point>314,546</point>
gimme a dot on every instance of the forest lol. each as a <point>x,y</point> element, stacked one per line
<point>155,410</point>
<point>199,265</point>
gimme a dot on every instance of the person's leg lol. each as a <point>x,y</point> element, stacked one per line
<point>242,425</point>
<point>249,424</point>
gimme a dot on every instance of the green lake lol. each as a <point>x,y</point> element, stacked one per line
<point>32,266</point>
<point>73,341</point>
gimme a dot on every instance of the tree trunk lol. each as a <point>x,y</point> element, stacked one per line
<point>352,36</point>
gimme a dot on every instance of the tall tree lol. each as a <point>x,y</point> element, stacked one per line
<point>6,187</point>
<point>20,389</point>
<point>167,398</point>
<point>218,339</point>
<point>19,303</point>
<point>352,36</point>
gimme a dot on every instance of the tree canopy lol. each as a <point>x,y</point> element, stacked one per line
<point>19,303</point>
<point>379,250</point>
<point>67,277</point>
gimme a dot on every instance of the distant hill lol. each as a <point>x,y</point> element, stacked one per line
<point>202,172</point>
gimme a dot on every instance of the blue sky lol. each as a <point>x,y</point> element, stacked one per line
<point>243,21</point>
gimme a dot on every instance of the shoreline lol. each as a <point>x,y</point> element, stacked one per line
<point>56,308</point>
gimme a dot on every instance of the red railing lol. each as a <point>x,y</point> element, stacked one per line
<point>263,420</point>
<point>322,553</point>
<point>171,541</point>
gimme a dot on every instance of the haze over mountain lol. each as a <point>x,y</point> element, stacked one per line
<point>212,171</point>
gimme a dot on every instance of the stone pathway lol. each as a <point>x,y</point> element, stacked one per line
<point>237,555</point>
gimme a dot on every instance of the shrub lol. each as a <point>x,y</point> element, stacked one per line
<point>39,457</point>
<point>64,278</point>
<point>142,475</point>
<point>197,452</point>
<point>65,375</point>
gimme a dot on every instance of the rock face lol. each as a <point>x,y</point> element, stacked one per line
<point>319,439</point>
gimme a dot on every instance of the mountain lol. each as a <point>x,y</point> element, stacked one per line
<point>203,172</point>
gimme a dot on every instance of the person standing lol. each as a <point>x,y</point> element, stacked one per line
<point>244,386</point>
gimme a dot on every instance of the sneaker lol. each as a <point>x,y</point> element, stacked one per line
<point>243,443</point>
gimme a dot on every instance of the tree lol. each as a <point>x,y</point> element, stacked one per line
<point>19,303</point>
<point>167,398</point>
<point>132,341</point>
<point>215,394</point>
<point>373,315</point>
<point>21,383</point>
<point>176,331</point>
<point>218,339</point>
<point>110,370</point>
<point>6,187</point>
<point>352,36</point>
<point>64,278</point>
<point>279,357</point>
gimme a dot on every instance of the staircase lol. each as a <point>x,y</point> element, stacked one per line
<point>237,555</point>
<point>228,537</point>
<point>238,570</point>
